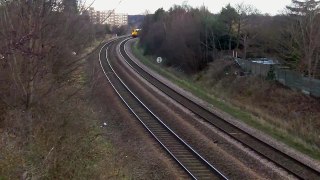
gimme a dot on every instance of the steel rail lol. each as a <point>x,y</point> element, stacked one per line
<point>191,171</point>
<point>212,119</point>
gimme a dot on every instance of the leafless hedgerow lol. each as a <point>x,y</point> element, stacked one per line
<point>38,40</point>
<point>42,128</point>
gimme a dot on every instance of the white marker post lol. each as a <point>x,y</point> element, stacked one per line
<point>159,60</point>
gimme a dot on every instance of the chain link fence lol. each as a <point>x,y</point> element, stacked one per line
<point>289,78</point>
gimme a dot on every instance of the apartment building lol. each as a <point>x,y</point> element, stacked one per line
<point>108,17</point>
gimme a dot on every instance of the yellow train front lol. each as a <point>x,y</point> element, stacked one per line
<point>135,33</point>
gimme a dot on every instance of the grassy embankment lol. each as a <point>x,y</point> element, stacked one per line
<point>62,139</point>
<point>64,136</point>
<point>244,106</point>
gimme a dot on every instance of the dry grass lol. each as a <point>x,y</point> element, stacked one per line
<point>61,137</point>
<point>275,104</point>
<point>56,139</point>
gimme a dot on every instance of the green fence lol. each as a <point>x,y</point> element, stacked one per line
<point>287,77</point>
<point>254,68</point>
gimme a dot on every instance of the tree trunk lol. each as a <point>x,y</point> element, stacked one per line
<point>316,64</point>
<point>30,72</point>
<point>245,44</point>
<point>238,33</point>
<point>206,53</point>
<point>229,42</point>
<point>213,46</point>
<point>230,37</point>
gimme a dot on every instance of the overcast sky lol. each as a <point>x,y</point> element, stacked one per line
<point>132,7</point>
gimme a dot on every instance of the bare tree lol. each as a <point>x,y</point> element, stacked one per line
<point>244,11</point>
<point>305,30</point>
<point>38,40</point>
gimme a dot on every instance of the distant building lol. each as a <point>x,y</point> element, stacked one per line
<point>108,17</point>
<point>121,19</point>
<point>93,15</point>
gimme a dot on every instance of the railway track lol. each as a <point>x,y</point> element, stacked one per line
<point>193,163</point>
<point>286,162</point>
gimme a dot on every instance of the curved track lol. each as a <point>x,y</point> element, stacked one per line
<point>193,163</point>
<point>288,163</point>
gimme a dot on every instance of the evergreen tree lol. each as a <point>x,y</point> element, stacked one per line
<point>228,16</point>
<point>271,74</point>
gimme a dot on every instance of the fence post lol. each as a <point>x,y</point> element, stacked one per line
<point>285,77</point>
<point>260,70</point>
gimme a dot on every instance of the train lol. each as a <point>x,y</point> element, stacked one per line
<point>135,33</point>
